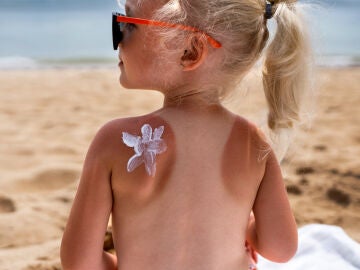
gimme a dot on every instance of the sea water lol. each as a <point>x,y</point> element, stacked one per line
<point>37,33</point>
<point>335,32</point>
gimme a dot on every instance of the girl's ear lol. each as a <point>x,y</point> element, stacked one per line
<point>195,53</point>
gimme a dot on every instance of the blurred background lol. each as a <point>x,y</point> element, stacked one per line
<point>51,32</point>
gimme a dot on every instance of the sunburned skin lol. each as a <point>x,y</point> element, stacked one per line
<point>193,213</point>
<point>243,158</point>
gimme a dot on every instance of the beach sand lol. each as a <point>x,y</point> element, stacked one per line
<point>49,117</point>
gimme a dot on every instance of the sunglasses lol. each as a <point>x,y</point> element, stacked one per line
<point>119,21</point>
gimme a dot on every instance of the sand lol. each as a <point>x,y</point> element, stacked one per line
<point>48,118</point>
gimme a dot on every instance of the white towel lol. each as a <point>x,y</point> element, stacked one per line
<point>321,247</point>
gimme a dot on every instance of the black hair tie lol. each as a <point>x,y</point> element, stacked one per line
<point>268,10</point>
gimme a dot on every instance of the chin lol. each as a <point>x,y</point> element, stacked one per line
<point>124,82</point>
<point>138,84</point>
<point>130,85</point>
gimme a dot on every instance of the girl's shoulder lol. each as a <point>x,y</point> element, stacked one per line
<point>254,132</point>
<point>117,135</point>
<point>253,137</point>
<point>111,134</point>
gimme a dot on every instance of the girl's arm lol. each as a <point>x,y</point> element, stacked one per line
<point>273,231</point>
<point>82,243</point>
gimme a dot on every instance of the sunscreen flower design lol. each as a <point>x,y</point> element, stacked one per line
<point>146,148</point>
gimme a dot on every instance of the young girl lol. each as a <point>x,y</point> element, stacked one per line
<point>182,182</point>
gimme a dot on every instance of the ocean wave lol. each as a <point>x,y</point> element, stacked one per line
<point>338,61</point>
<point>24,63</point>
<point>17,62</point>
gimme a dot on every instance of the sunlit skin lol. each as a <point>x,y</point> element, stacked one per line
<point>194,214</point>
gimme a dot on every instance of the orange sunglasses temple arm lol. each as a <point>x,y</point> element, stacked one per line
<point>212,41</point>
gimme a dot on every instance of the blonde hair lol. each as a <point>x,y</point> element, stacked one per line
<point>241,27</point>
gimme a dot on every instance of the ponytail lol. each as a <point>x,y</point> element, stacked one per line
<point>286,70</point>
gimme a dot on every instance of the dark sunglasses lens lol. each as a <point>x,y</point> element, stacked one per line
<point>117,35</point>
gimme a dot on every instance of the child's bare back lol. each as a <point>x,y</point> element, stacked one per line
<point>194,213</point>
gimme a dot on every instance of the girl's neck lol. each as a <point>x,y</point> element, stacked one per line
<point>191,100</point>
